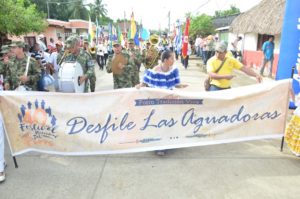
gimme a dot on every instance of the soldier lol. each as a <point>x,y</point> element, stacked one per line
<point>4,63</point>
<point>81,56</point>
<point>137,58</point>
<point>151,54</point>
<point>17,74</point>
<point>122,80</point>
<point>93,78</point>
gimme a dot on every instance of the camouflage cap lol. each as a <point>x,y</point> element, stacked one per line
<point>85,41</point>
<point>116,42</point>
<point>19,44</point>
<point>5,49</point>
<point>71,41</point>
<point>131,41</point>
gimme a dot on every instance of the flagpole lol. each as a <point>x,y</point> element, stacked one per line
<point>125,31</point>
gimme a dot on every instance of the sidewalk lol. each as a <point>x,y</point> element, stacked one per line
<point>247,170</point>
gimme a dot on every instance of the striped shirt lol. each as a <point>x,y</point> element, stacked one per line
<point>165,80</point>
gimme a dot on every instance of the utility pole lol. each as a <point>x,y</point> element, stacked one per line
<point>48,9</point>
<point>169,16</point>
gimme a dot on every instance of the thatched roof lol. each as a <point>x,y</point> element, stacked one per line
<point>265,18</point>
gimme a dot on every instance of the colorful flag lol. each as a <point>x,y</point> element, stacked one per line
<point>114,33</point>
<point>91,33</point>
<point>145,34</point>
<point>97,31</point>
<point>132,27</point>
<point>178,38</point>
<point>120,35</point>
<point>136,37</point>
<point>186,39</point>
<point>110,36</point>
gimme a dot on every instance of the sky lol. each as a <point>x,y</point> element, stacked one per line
<point>154,13</point>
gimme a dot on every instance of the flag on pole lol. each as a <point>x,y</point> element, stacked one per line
<point>136,37</point>
<point>186,39</point>
<point>178,38</point>
<point>132,27</point>
<point>110,36</point>
<point>120,35</point>
<point>91,33</point>
<point>97,31</point>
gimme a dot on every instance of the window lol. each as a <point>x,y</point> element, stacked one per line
<point>30,41</point>
<point>261,39</point>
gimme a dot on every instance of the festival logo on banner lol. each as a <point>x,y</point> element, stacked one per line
<point>37,122</point>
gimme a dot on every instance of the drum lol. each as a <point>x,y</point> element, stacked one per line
<point>68,78</point>
<point>118,59</point>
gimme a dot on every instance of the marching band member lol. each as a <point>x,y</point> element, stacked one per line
<point>137,58</point>
<point>81,56</point>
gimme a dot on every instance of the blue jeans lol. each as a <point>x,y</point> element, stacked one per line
<point>216,88</point>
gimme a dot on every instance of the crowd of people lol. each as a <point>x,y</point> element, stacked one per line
<point>36,68</point>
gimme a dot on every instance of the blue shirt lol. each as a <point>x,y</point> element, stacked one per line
<point>268,49</point>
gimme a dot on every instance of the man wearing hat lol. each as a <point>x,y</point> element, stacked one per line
<point>93,78</point>
<point>41,43</point>
<point>137,58</point>
<point>18,74</point>
<point>120,61</point>
<point>5,60</point>
<point>151,53</point>
<point>81,56</point>
<point>224,65</point>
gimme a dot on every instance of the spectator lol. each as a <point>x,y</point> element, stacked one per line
<point>222,79</point>
<point>268,50</point>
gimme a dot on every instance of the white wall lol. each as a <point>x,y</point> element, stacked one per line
<point>277,43</point>
<point>250,41</point>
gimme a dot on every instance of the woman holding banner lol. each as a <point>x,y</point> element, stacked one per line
<point>164,76</point>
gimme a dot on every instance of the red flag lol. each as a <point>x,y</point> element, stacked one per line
<point>186,38</point>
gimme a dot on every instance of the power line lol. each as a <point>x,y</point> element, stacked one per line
<point>202,5</point>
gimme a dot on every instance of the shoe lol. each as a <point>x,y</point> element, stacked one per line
<point>2,176</point>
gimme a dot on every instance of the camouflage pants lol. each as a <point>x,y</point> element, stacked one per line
<point>93,83</point>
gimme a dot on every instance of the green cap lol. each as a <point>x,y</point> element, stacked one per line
<point>19,44</point>
<point>71,41</point>
<point>116,42</point>
<point>131,41</point>
<point>5,49</point>
<point>85,41</point>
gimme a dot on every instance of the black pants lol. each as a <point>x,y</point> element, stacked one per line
<point>186,62</point>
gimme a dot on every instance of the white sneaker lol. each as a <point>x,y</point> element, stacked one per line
<point>2,176</point>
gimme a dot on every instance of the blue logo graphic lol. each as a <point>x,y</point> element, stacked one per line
<point>37,120</point>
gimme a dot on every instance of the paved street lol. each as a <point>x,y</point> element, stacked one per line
<point>255,169</point>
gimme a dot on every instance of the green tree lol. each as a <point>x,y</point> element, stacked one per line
<point>202,25</point>
<point>16,19</point>
<point>223,13</point>
<point>97,10</point>
<point>78,11</point>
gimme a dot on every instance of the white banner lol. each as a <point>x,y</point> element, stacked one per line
<point>131,120</point>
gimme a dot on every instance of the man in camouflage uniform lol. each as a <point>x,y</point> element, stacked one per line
<point>93,78</point>
<point>81,56</point>
<point>123,80</point>
<point>16,70</point>
<point>150,55</point>
<point>5,61</point>
<point>137,58</point>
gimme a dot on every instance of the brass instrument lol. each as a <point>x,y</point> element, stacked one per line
<point>92,50</point>
<point>116,60</point>
<point>152,53</point>
<point>63,57</point>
